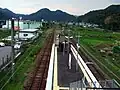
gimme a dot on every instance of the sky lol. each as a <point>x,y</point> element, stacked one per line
<point>75,7</point>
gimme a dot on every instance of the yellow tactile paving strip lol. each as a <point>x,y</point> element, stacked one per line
<point>55,82</point>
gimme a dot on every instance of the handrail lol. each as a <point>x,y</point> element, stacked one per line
<point>86,70</point>
<point>116,83</point>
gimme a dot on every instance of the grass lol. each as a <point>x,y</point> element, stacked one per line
<point>95,40</point>
<point>23,65</point>
<point>4,33</point>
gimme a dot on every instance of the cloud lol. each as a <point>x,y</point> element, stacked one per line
<point>25,10</point>
<point>71,6</point>
<point>65,7</point>
<point>115,1</point>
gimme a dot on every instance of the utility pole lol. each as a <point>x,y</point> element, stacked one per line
<point>12,44</point>
<point>18,28</point>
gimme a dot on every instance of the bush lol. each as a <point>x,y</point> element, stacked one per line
<point>116,49</point>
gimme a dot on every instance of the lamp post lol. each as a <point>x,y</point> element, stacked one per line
<point>12,44</point>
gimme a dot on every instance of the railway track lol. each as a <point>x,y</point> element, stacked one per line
<point>92,66</point>
<point>37,78</point>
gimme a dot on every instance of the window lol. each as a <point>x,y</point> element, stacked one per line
<point>25,35</point>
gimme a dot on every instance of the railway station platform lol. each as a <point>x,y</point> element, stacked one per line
<point>69,74</point>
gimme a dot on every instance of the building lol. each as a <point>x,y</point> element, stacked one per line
<point>27,34</point>
<point>23,24</point>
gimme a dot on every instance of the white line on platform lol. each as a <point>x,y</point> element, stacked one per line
<point>50,71</point>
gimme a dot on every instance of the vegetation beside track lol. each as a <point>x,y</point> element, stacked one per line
<point>4,33</point>
<point>23,65</point>
<point>99,45</point>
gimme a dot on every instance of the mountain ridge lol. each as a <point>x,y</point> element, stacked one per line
<point>98,16</point>
<point>44,13</point>
<point>95,16</point>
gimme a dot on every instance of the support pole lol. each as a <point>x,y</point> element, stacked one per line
<point>78,36</point>
<point>76,66</point>
<point>63,48</point>
<point>70,61</point>
<point>28,24</point>
<point>8,24</point>
<point>77,58</point>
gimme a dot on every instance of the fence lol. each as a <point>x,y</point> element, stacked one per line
<point>6,60</point>
<point>106,85</point>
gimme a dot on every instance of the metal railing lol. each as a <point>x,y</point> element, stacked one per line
<point>7,61</point>
<point>80,85</point>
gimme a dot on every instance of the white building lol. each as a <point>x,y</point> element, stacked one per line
<point>26,34</point>
<point>23,24</point>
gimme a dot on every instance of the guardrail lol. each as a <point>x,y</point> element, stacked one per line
<point>8,62</point>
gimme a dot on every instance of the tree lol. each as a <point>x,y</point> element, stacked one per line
<point>113,22</point>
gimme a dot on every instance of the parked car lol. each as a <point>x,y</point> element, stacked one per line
<point>2,44</point>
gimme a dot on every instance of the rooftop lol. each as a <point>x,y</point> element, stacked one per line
<point>29,30</point>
